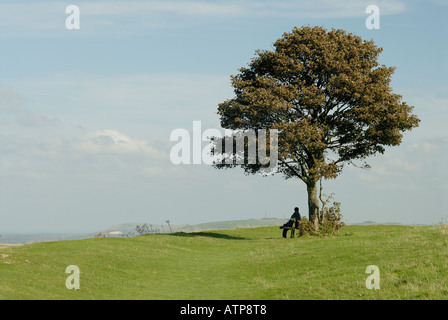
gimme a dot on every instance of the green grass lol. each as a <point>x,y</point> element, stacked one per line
<point>253,263</point>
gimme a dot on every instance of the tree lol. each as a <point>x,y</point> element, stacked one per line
<point>328,97</point>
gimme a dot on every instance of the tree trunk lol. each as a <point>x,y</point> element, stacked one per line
<point>313,202</point>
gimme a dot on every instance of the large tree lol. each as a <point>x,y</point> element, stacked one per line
<point>328,97</point>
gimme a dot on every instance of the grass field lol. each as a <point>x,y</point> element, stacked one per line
<point>253,263</point>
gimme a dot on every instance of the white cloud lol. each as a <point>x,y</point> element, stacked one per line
<point>160,89</point>
<point>16,107</point>
<point>388,169</point>
<point>114,142</point>
<point>435,147</point>
<point>412,166</point>
<point>45,18</point>
<point>153,171</point>
<point>317,8</point>
<point>37,120</point>
<point>425,147</point>
<point>399,165</point>
<point>155,103</point>
<point>139,8</point>
<point>166,172</point>
<point>10,100</point>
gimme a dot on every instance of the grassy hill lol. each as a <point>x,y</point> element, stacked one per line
<point>252,263</point>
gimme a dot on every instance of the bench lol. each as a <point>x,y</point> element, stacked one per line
<point>293,228</point>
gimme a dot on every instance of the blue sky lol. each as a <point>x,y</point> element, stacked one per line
<point>86,115</point>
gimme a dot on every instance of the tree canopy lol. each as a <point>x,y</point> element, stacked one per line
<point>329,98</point>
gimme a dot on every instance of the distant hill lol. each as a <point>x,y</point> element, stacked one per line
<point>218,225</point>
<point>130,229</point>
<point>365,223</point>
<point>233,224</point>
<point>24,238</point>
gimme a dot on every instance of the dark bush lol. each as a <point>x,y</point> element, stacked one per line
<point>327,223</point>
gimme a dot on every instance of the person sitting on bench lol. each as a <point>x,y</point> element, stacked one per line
<point>289,224</point>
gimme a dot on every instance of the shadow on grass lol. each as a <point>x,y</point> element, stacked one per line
<point>206,234</point>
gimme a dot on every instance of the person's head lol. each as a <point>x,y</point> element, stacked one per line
<point>296,209</point>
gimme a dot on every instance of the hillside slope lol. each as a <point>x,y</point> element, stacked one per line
<point>253,263</point>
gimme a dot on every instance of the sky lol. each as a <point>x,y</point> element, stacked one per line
<point>86,114</point>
